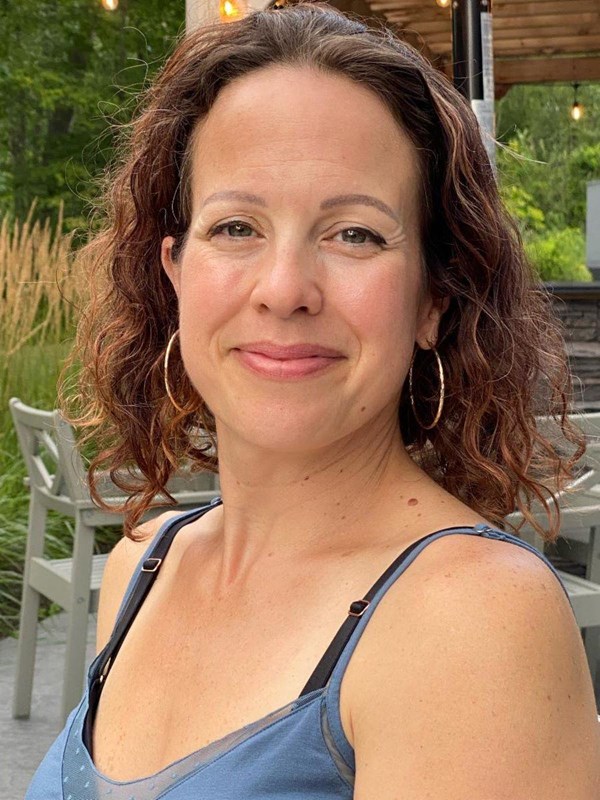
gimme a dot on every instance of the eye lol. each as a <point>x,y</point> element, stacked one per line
<point>361,236</point>
<point>237,229</point>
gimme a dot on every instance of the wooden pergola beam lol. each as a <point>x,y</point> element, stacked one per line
<point>514,37</point>
<point>519,26</point>
<point>547,21</point>
<point>515,8</point>
<point>501,10</point>
<point>535,41</point>
<point>529,47</point>
<point>542,70</point>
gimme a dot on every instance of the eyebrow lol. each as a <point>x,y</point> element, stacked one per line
<point>360,199</point>
<point>331,202</point>
<point>233,194</point>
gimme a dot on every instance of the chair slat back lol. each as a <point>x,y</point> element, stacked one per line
<point>46,435</point>
<point>36,435</point>
<point>73,469</point>
<point>588,473</point>
<point>590,425</point>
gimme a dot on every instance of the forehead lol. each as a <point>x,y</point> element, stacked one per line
<point>290,127</point>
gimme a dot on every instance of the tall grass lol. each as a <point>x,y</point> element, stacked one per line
<point>40,287</point>
<point>39,294</point>
<point>40,291</point>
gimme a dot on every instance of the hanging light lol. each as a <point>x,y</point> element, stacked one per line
<point>443,3</point>
<point>231,9</point>
<point>577,108</point>
<point>110,5</point>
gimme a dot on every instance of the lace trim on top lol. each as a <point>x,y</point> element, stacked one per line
<point>82,781</point>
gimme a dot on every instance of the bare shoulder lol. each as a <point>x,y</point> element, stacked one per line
<point>478,682</point>
<point>119,568</point>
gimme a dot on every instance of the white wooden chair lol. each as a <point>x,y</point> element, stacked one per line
<point>580,533</point>
<point>57,482</point>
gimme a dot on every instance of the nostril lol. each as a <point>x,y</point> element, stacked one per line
<point>266,307</point>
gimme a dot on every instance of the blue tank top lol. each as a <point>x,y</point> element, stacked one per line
<point>297,752</point>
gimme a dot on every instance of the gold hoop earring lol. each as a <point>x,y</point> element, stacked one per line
<point>442,391</point>
<point>166,374</point>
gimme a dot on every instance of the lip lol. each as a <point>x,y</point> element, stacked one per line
<point>284,352</point>
<point>286,362</point>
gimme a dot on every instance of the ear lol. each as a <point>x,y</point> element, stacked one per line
<point>431,312</point>
<point>170,266</point>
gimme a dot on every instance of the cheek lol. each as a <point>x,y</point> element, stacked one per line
<point>209,296</point>
<point>383,313</point>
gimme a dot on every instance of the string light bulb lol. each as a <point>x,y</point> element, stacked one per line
<point>231,9</point>
<point>576,111</point>
<point>443,3</point>
<point>577,108</point>
<point>110,5</point>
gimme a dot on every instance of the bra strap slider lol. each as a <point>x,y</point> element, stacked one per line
<point>358,608</point>
<point>151,564</point>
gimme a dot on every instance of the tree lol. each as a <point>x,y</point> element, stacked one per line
<point>70,72</point>
<point>555,156</point>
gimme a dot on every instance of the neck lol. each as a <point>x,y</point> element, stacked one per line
<point>291,505</point>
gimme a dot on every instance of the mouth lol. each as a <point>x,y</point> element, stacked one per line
<point>287,361</point>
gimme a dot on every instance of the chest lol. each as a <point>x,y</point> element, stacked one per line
<point>193,670</point>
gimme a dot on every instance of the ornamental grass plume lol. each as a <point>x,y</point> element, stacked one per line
<point>39,291</point>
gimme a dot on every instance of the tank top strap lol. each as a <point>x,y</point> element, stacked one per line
<point>144,576</point>
<point>140,584</point>
<point>168,529</point>
<point>332,666</point>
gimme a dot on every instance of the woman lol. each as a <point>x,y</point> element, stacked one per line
<point>307,258</point>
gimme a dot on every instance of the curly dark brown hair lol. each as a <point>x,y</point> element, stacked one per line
<point>500,342</point>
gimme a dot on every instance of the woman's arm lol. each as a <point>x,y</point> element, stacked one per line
<point>479,688</point>
<point>119,568</point>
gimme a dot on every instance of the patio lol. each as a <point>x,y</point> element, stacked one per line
<point>29,739</point>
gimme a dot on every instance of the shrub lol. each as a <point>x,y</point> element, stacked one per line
<point>521,205</point>
<point>558,255</point>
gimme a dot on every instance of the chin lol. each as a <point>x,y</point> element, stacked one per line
<point>289,433</point>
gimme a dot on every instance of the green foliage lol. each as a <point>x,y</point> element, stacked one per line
<point>584,166</point>
<point>70,74</point>
<point>546,154</point>
<point>544,164</point>
<point>559,255</point>
<point>522,207</point>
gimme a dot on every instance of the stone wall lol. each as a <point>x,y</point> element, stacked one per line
<point>578,306</point>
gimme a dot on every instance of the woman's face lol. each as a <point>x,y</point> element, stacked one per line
<point>300,283</point>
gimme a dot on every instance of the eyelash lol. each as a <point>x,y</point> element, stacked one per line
<point>221,226</point>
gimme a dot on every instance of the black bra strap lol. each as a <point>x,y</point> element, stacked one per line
<point>327,664</point>
<point>148,574</point>
<point>142,586</point>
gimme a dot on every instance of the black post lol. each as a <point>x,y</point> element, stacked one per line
<point>466,48</point>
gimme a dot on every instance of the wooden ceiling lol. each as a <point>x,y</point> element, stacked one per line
<point>535,41</point>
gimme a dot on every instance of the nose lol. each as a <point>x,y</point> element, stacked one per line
<point>287,283</point>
